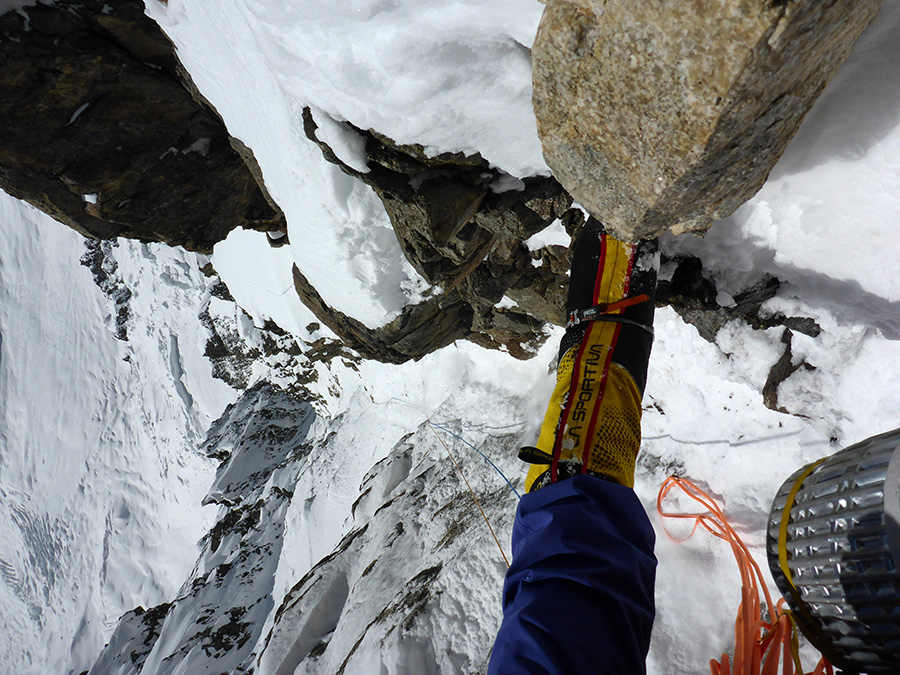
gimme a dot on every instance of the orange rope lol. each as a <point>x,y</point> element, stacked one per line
<point>759,645</point>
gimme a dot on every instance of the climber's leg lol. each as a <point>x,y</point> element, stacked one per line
<point>578,597</point>
<point>602,362</point>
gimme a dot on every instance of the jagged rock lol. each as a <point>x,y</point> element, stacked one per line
<point>105,270</point>
<point>452,213</point>
<point>664,116</point>
<point>781,370</point>
<point>419,330</point>
<point>98,129</point>
<point>464,232</point>
<point>134,636</point>
<point>695,298</point>
<point>236,347</point>
<point>469,240</point>
<point>428,326</point>
<point>368,605</point>
<point>217,618</point>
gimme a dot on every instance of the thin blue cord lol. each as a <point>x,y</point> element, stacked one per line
<point>394,399</point>
<point>486,458</point>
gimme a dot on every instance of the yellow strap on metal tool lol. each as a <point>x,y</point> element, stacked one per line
<point>801,617</point>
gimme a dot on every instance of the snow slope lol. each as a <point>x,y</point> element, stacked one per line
<point>100,476</point>
<point>370,63</point>
<point>100,479</point>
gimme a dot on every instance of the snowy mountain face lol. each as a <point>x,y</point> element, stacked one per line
<point>105,399</point>
<point>196,476</point>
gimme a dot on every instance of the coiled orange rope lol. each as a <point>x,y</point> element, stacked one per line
<point>759,645</point>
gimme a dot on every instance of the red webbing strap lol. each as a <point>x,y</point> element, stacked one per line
<point>604,376</point>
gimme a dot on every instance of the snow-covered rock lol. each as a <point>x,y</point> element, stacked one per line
<point>214,622</point>
<point>403,591</point>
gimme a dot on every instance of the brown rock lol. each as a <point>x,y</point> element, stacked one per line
<point>98,129</point>
<point>444,209</point>
<point>419,330</point>
<point>661,116</point>
<point>462,235</point>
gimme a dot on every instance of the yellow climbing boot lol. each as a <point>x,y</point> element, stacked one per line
<point>593,420</point>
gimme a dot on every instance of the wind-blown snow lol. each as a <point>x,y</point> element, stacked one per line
<point>416,71</point>
<point>100,481</point>
<point>265,288</point>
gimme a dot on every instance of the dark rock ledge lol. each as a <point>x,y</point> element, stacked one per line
<point>463,233</point>
<point>99,129</point>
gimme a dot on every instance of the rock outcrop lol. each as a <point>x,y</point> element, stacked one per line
<point>103,266</point>
<point>387,590</point>
<point>664,116</point>
<point>237,347</point>
<point>99,129</point>
<point>463,236</point>
<point>463,229</point>
<point>392,580</point>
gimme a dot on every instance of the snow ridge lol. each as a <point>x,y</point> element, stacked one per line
<point>213,623</point>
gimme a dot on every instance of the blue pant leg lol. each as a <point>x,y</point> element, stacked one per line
<point>578,597</point>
